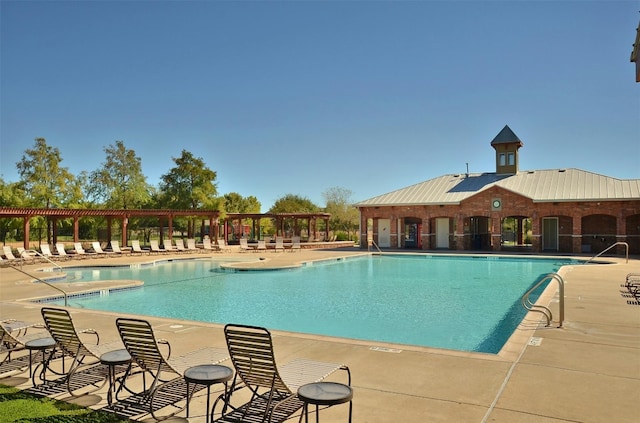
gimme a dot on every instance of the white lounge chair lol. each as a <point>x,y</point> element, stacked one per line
<point>8,253</point>
<point>97,248</point>
<point>279,244</point>
<point>262,246</point>
<point>222,246</point>
<point>115,247</point>
<point>191,245</point>
<point>80,252</point>
<point>244,245</point>
<point>295,245</point>
<point>135,248</point>
<point>62,253</point>
<point>180,246</point>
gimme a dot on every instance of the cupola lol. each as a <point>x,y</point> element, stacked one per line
<point>506,144</point>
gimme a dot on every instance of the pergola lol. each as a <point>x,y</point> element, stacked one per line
<point>55,214</point>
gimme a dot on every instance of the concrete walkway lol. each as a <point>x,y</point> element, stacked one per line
<point>586,371</point>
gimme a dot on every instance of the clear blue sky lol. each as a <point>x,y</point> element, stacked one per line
<point>284,97</point>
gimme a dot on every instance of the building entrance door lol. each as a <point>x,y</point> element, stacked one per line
<point>384,233</point>
<point>442,232</point>
<point>550,234</point>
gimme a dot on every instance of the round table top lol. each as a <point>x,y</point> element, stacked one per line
<point>40,344</point>
<point>325,393</point>
<point>115,357</point>
<point>208,374</point>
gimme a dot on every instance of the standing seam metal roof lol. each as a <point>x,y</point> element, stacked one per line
<point>555,185</point>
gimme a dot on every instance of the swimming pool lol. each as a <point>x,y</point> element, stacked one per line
<point>461,303</point>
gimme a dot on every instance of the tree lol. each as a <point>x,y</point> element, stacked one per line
<point>235,203</point>
<point>189,185</point>
<point>120,182</point>
<point>344,217</point>
<point>45,182</point>
<point>292,203</point>
<point>11,195</point>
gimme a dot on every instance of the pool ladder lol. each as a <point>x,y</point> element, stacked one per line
<point>527,304</point>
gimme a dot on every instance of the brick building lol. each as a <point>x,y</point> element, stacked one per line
<point>558,210</point>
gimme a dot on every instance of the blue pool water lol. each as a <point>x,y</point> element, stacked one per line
<point>460,303</point>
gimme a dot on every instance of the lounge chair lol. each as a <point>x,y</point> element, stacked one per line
<point>180,245</point>
<point>8,253</point>
<point>244,245</point>
<point>154,247</point>
<point>262,246</point>
<point>191,245</point>
<point>115,247</point>
<point>206,245</point>
<point>273,389</point>
<point>165,371</point>
<point>97,248</point>
<point>80,252</point>
<point>62,253</point>
<point>45,250</point>
<point>279,244</point>
<point>222,246</point>
<point>135,248</point>
<point>27,255</point>
<point>295,245</point>
<point>85,356</point>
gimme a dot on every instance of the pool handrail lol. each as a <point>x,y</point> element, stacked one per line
<point>527,304</point>
<point>610,247</point>
<point>64,293</point>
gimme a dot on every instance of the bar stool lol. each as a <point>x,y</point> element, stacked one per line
<point>324,393</point>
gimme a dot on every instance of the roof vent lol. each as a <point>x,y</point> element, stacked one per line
<point>562,170</point>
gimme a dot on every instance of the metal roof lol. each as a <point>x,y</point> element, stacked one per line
<point>555,185</point>
<point>506,136</point>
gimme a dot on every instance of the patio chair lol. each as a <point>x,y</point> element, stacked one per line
<point>206,245</point>
<point>222,246</point>
<point>45,250</point>
<point>295,245</point>
<point>85,356</point>
<point>115,247</point>
<point>8,253</point>
<point>244,245</point>
<point>155,247</point>
<point>166,372</point>
<point>135,248</point>
<point>27,255</point>
<point>180,245</point>
<point>80,252</point>
<point>191,245</point>
<point>279,244</point>
<point>273,389</point>
<point>97,248</point>
<point>62,253</point>
<point>262,246</point>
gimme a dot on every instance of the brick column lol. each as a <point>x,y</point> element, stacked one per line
<point>577,234</point>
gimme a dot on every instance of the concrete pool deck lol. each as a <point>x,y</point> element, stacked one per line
<point>586,371</point>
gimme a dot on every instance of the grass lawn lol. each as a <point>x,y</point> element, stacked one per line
<point>20,406</point>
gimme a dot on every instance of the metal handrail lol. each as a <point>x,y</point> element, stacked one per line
<point>66,302</point>
<point>527,304</point>
<point>39,254</point>
<point>376,245</point>
<point>610,247</point>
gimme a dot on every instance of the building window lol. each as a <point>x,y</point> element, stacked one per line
<point>502,159</point>
<point>511,159</point>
